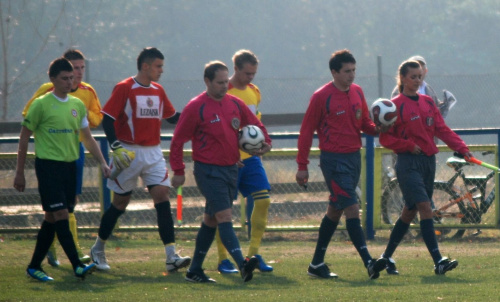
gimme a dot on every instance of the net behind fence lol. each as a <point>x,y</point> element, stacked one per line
<point>291,204</point>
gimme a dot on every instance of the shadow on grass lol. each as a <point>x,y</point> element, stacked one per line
<point>102,282</point>
<point>260,282</point>
<point>437,279</point>
<point>364,282</point>
<point>258,279</point>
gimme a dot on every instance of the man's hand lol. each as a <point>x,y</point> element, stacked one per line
<point>263,150</point>
<point>240,164</point>
<point>383,128</point>
<point>122,157</point>
<point>19,182</point>
<point>302,177</point>
<point>416,150</point>
<point>106,171</point>
<point>178,180</point>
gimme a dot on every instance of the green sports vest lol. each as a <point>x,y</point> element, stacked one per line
<point>56,126</point>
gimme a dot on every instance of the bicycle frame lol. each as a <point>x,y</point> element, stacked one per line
<point>471,207</point>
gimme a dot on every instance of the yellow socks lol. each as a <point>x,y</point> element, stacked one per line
<point>258,220</point>
<point>74,232</point>
<point>259,223</point>
<point>221,249</point>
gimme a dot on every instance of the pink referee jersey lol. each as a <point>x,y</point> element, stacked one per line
<point>417,124</point>
<point>138,111</point>
<point>338,117</point>
<point>213,127</point>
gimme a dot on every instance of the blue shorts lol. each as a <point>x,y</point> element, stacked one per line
<point>217,184</point>
<point>341,172</point>
<point>252,177</point>
<point>80,162</point>
<point>415,175</point>
<point>56,183</point>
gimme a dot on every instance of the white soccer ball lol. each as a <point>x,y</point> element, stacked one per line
<point>383,112</point>
<point>250,138</point>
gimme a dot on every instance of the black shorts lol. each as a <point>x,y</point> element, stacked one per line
<point>56,183</point>
<point>341,172</point>
<point>415,175</point>
<point>217,184</point>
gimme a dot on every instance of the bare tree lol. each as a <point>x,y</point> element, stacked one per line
<point>12,17</point>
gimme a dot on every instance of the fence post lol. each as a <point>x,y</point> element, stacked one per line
<point>379,77</point>
<point>497,184</point>
<point>106,195</point>
<point>370,155</point>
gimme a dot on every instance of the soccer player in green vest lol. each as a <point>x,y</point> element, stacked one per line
<point>56,119</point>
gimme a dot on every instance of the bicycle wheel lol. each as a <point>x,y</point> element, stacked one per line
<point>392,202</point>
<point>445,212</point>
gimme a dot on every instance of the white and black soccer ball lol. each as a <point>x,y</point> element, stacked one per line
<point>383,112</point>
<point>250,138</point>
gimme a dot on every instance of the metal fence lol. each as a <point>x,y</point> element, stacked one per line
<point>292,207</point>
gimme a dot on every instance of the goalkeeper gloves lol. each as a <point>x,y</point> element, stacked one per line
<point>121,156</point>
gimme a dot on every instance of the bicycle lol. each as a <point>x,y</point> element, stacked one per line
<point>454,204</point>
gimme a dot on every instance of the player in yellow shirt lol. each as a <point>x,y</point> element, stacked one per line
<point>252,179</point>
<point>88,96</point>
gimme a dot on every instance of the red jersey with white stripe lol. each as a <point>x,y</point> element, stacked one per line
<point>338,117</point>
<point>213,128</point>
<point>417,123</point>
<point>138,111</point>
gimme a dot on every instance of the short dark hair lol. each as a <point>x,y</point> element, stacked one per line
<point>73,54</point>
<point>212,67</point>
<point>58,65</point>
<point>403,70</point>
<point>340,57</point>
<point>243,56</point>
<point>148,55</point>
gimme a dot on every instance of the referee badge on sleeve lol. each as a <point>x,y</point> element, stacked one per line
<point>429,121</point>
<point>358,114</point>
<point>235,123</point>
